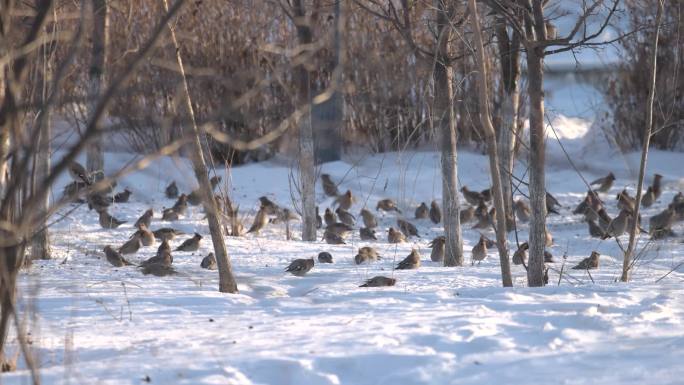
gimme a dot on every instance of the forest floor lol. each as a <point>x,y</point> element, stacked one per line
<point>96,324</point>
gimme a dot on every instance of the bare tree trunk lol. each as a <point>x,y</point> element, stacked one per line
<point>94,155</point>
<point>444,111</point>
<point>306,142</point>
<point>227,282</point>
<point>537,188</point>
<point>627,262</point>
<point>40,243</point>
<point>490,138</point>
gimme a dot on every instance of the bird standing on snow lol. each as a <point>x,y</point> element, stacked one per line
<point>522,211</point>
<point>387,205</point>
<point>366,254</point>
<point>520,255</point>
<point>329,187</point>
<point>345,200</point>
<point>268,205</point>
<point>551,204</point>
<point>367,234</point>
<point>171,190</point>
<point>408,228</point>
<point>169,215</point>
<point>319,220</point>
<point>595,230</point>
<point>394,236</point>
<point>618,225</point>
<point>123,196</point>
<point>605,183</point>
<point>191,244</point>
<point>648,198</point>
<point>79,173</point>
<point>435,212</point>
<point>625,201</point>
<point>369,219</point>
<point>422,211</point>
<point>329,217</point>
<point>145,219</point>
<point>166,233</point>
<point>345,217</point>
<point>146,236</point>
<point>657,190</point>
<point>209,262</point>
<point>333,238</point>
<point>114,257</point>
<point>466,215</point>
<point>591,262</point>
<point>472,197</point>
<point>438,246</point>
<point>412,261</point>
<point>662,221</point>
<point>132,245</point>
<point>325,257</point>
<point>181,205</point>
<point>379,281</point>
<point>109,222</point>
<point>260,221</point>
<point>479,252</point>
<point>300,267</point>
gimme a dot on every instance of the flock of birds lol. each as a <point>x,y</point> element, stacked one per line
<point>337,224</point>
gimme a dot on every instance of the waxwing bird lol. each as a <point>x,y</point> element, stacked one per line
<point>72,191</point>
<point>333,238</point>
<point>657,190</point>
<point>98,201</point>
<point>435,212</point>
<point>648,198</point>
<point>438,246</point>
<point>387,205</point>
<point>345,217</point>
<point>367,234</point>
<point>472,197</point>
<point>520,255</point>
<point>605,183</point>
<point>319,220</point>
<point>548,240</point>
<point>171,190</point>
<point>394,236</point>
<point>522,210</point>
<point>625,201</point>
<point>145,219</point>
<point>551,204</point>
<point>595,230</point>
<point>366,254</point>
<point>195,197</point>
<point>132,245</point>
<point>158,270</point>
<point>109,222</point>
<point>486,194</point>
<point>422,211</point>
<point>591,262</point>
<point>661,221</point>
<point>114,257</point>
<point>345,200</point>
<point>209,262</point>
<point>268,205</point>
<point>146,236</point>
<point>329,217</point>
<point>169,215</point>
<point>123,196</point>
<point>408,228</point>
<point>79,173</point>
<point>548,257</point>
<point>191,244</point>
<point>181,204</point>
<point>603,219</point>
<point>260,221</point>
<point>164,248</point>
<point>166,233</point>
<point>165,258</point>
<point>300,267</point>
<point>487,220</point>
<point>481,211</point>
<point>412,261</point>
<point>467,215</point>
<point>618,225</point>
<point>488,242</point>
<point>325,257</point>
<point>369,219</point>
<point>329,187</point>
<point>339,228</point>
<point>479,252</point>
<point>379,281</point>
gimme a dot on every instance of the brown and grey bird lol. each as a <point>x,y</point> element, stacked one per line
<point>603,219</point>
<point>369,219</point>
<point>99,201</point>
<point>486,194</point>
<point>367,234</point>
<point>387,205</point>
<point>146,236</point>
<point>422,211</point>
<point>79,173</point>
<point>158,270</point>
<point>435,212</point>
<point>552,204</point>
<point>329,187</point>
<point>394,236</point>
<point>114,257</point>
<point>662,221</point>
<point>268,205</point>
<point>345,201</point>
<point>548,257</point>
<point>648,198</point>
<point>181,204</point>
<point>132,245</point>
<point>123,196</point>
<point>300,267</point>
<point>164,248</point>
<point>520,255</point>
<point>466,215</point>
<point>195,197</point>
<point>625,201</point>
<point>191,244</point>
<point>412,261</point>
<point>161,258</point>
<point>618,225</point>
<point>548,237</point>
<point>169,215</point>
<point>438,246</point>
<point>591,262</point>
<point>472,197</point>
<point>481,211</point>
<point>145,219</point>
<point>171,190</point>
<point>329,217</point>
<point>366,254</point>
<point>605,183</point>
<point>166,233</point>
<point>332,238</point>
<point>109,222</point>
<point>479,252</point>
<point>595,230</point>
<point>319,220</point>
<point>408,228</point>
<point>522,210</point>
<point>260,220</point>
<point>345,217</point>
<point>486,221</point>
<point>656,186</point>
<point>379,281</point>
<point>339,228</point>
<point>325,257</point>
<point>209,262</point>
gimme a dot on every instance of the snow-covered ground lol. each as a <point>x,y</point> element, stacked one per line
<point>97,324</point>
